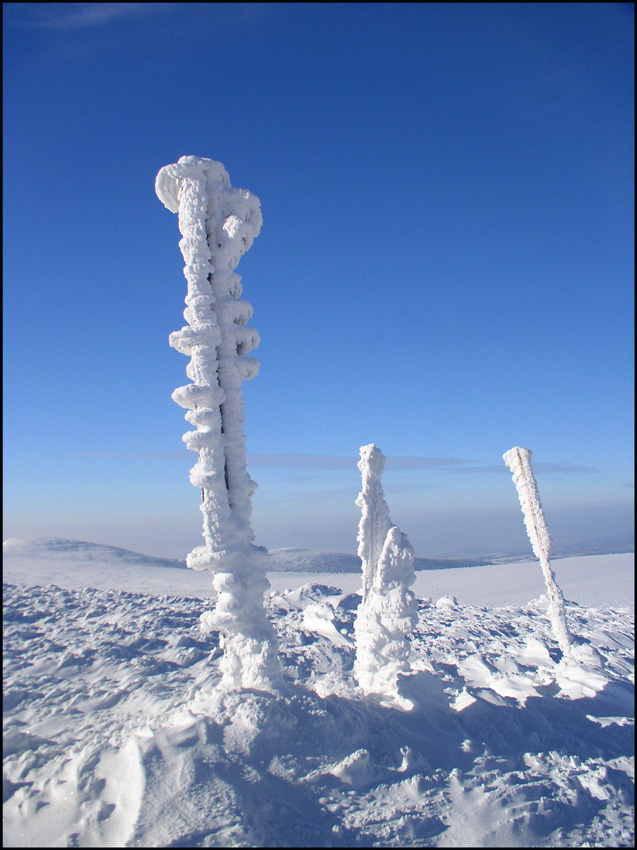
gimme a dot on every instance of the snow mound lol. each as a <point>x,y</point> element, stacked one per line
<point>447,602</point>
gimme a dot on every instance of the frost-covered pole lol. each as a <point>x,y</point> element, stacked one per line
<point>218,224</point>
<point>387,612</point>
<point>519,462</point>
<point>374,522</point>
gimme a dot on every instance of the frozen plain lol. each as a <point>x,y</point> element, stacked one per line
<point>114,733</point>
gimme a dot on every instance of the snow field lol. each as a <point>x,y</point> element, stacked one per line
<point>116,735</point>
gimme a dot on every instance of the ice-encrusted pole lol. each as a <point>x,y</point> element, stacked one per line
<point>374,522</point>
<point>387,612</point>
<point>519,462</point>
<point>218,224</point>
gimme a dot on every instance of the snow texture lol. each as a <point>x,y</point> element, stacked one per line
<point>115,734</point>
<point>519,462</point>
<point>387,613</point>
<point>218,224</point>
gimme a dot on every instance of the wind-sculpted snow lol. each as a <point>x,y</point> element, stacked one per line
<point>116,735</point>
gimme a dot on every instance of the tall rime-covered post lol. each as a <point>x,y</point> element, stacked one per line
<point>374,522</point>
<point>218,224</point>
<point>387,612</point>
<point>519,462</point>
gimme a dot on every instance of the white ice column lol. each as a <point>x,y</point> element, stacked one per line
<point>182,188</point>
<point>519,462</point>
<point>387,612</point>
<point>218,224</point>
<point>233,223</point>
<point>374,522</point>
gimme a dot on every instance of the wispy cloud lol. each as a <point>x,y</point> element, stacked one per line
<point>564,468</point>
<point>405,463</point>
<point>300,461</point>
<point>339,462</point>
<point>76,16</point>
<point>176,455</point>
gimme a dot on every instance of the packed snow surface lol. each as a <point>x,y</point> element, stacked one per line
<point>115,734</point>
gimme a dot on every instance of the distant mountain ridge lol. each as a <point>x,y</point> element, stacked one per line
<point>290,560</point>
<point>312,561</point>
<point>82,550</point>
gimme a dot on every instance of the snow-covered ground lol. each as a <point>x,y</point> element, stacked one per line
<point>115,735</point>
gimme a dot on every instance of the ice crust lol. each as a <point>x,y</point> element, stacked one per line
<point>218,224</point>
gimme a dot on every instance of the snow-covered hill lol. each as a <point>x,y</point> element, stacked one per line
<point>312,561</point>
<point>591,580</point>
<point>114,734</point>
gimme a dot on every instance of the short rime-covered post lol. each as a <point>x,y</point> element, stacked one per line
<point>218,224</point>
<point>519,462</point>
<point>387,612</point>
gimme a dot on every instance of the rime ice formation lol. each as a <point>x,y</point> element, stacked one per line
<point>375,522</point>
<point>387,612</point>
<point>519,462</point>
<point>218,224</point>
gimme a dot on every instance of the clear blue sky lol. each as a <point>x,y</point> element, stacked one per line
<point>445,266</point>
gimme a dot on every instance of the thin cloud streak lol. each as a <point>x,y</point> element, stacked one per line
<point>176,455</point>
<point>405,463</point>
<point>338,462</point>
<point>333,462</point>
<point>565,468</point>
<point>86,15</point>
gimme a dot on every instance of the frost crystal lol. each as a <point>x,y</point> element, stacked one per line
<point>218,224</point>
<point>387,613</point>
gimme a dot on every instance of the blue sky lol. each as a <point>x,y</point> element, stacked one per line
<point>445,266</point>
